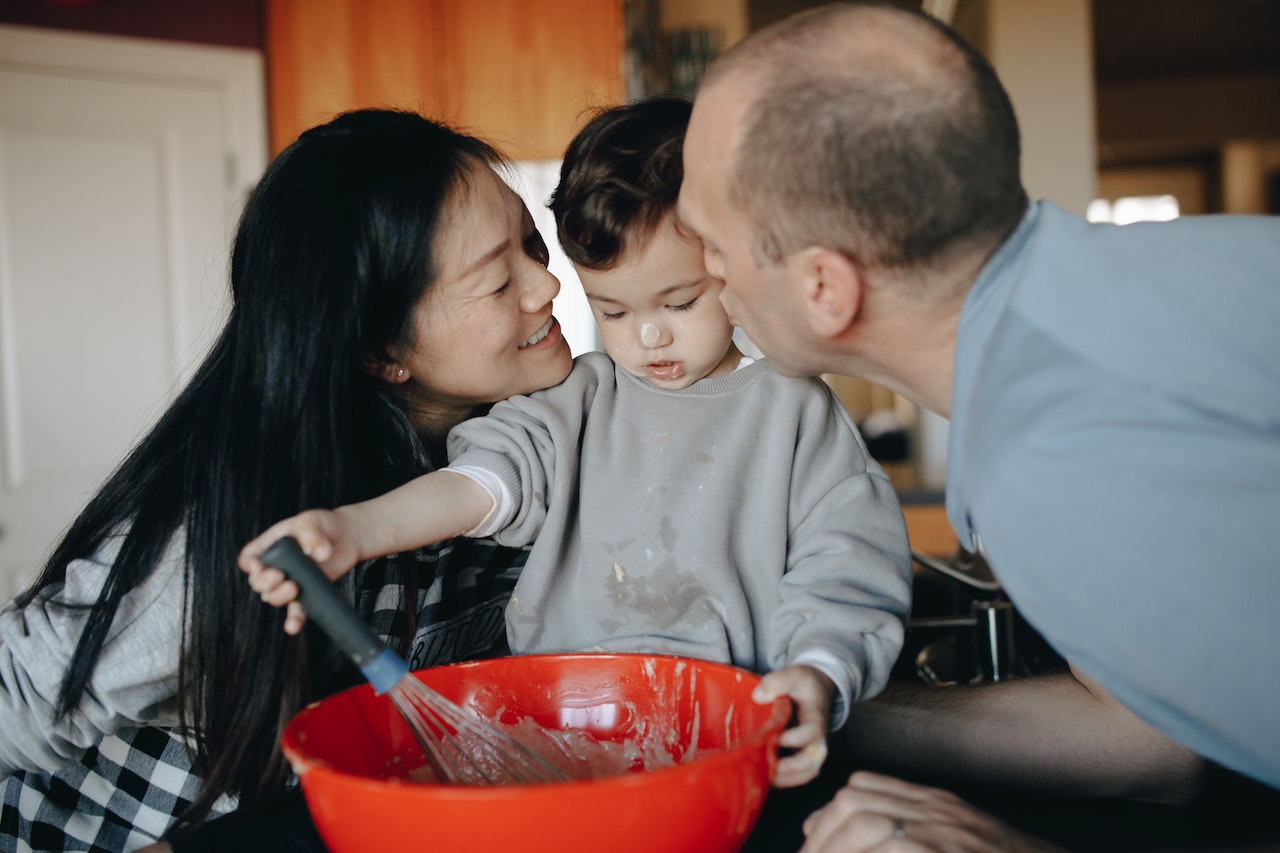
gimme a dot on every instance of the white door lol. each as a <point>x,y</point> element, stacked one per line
<point>123,164</point>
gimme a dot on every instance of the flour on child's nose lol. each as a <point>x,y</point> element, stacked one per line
<point>649,334</point>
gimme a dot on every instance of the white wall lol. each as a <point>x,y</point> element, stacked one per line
<point>534,180</point>
<point>1043,52</point>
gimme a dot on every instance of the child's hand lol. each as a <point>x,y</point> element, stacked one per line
<point>812,692</point>
<point>326,536</point>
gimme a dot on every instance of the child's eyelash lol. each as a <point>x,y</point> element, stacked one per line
<point>617,315</point>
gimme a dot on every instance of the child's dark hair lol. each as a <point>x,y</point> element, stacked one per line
<point>620,179</point>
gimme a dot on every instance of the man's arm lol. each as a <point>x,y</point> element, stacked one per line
<point>1052,734</point>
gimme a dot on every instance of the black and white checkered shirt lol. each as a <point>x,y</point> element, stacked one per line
<point>129,789</point>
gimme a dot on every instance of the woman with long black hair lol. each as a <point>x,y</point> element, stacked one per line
<point>386,285</point>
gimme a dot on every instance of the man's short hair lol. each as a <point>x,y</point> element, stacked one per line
<point>850,143</point>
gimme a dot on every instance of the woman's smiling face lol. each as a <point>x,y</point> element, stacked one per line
<point>484,329</point>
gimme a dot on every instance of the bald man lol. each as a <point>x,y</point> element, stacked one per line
<point>1114,396</point>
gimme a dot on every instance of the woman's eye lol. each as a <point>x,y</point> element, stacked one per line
<point>617,315</point>
<point>685,306</point>
<point>506,285</point>
<point>536,248</point>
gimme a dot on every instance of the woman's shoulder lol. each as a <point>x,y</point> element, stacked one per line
<point>84,577</point>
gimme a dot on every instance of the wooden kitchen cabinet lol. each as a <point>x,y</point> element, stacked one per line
<point>520,73</point>
<point>928,529</point>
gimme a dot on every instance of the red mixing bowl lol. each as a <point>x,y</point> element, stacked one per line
<point>723,745</point>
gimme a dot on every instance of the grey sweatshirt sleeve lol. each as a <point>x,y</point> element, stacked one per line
<point>532,444</point>
<point>135,679</point>
<point>846,592</point>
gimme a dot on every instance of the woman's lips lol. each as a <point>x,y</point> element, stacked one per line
<point>547,336</point>
<point>665,371</point>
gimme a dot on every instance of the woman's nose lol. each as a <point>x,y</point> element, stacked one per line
<point>542,287</point>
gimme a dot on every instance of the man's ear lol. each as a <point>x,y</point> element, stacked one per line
<point>830,289</point>
<point>385,368</point>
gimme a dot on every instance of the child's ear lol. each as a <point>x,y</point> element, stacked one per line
<point>385,368</point>
<point>830,289</point>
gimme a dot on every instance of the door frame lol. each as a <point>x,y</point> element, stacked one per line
<point>235,75</point>
<point>237,72</point>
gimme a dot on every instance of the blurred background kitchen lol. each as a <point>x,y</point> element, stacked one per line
<point>130,131</point>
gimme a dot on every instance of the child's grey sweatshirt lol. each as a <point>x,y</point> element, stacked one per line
<point>739,520</point>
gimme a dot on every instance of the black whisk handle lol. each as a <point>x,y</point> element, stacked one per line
<point>327,608</point>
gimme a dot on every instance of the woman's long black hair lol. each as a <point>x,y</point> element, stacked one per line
<point>332,254</point>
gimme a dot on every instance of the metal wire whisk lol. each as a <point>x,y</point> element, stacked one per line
<point>461,748</point>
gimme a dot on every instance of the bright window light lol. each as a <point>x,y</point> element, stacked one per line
<point>1122,211</point>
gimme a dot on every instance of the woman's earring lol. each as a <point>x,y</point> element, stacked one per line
<point>400,373</point>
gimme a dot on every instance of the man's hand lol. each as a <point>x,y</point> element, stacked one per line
<point>874,812</point>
